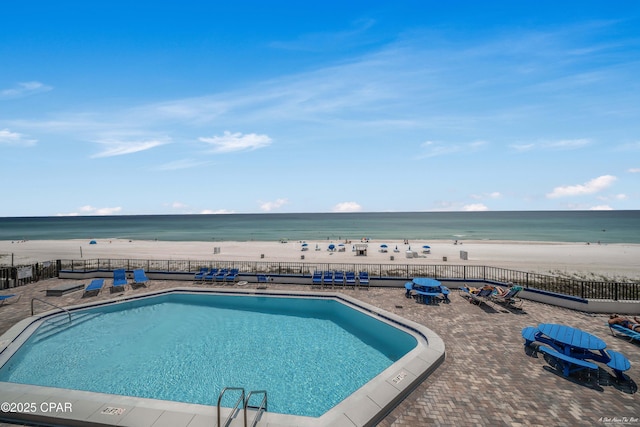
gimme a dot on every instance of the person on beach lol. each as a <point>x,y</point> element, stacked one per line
<point>615,319</point>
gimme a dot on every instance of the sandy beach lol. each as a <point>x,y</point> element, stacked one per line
<point>588,261</point>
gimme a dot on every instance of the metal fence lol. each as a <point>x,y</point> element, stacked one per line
<point>549,283</point>
<point>13,276</point>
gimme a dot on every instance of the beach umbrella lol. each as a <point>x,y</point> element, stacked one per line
<point>305,244</point>
<point>426,247</point>
<point>384,245</point>
<point>331,247</point>
<point>93,242</point>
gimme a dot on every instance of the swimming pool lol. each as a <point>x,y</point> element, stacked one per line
<point>311,353</point>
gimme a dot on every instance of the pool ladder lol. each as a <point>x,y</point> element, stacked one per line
<point>262,407</point>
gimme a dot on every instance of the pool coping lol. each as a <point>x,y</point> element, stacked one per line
<point>365,407</point>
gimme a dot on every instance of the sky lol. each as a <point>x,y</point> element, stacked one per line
<point>203,107</point>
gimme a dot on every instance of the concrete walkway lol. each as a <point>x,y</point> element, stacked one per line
<point>487,379</point>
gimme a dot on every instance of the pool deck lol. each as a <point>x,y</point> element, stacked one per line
<point>487,378</point>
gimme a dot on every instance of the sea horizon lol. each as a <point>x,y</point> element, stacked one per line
<point>619,226</point>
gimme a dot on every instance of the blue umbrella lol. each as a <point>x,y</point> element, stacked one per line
<point>93,242</point>
<point>426,247</point>
<point>331,247</point>
<point>384,246</point>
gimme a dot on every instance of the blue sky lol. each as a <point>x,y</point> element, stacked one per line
<point>170,107</point>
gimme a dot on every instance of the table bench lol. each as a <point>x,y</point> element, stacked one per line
<point>529,334</point>
<point>619,363</point>
<point>428,296</point>
<point>582,364</point>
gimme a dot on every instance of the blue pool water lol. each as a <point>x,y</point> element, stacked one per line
<point>309,354</point>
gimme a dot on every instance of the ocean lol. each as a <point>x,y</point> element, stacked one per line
<point>561,226</point>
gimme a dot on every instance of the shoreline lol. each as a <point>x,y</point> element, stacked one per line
<point>614,261</point>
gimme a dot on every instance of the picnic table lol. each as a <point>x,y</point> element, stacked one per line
<point>426,290</point>
<point>575,348</point>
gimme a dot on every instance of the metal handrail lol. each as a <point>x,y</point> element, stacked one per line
<point>259,409</point>
<point>235,407</point>
<point>51,304</point>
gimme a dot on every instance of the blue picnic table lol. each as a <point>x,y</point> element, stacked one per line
<point>575,348</point>
<point>427,290</point>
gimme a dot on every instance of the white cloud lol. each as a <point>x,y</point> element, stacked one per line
<point>181,164</point>
<point>24,89</point>
<point>590,187</point>
<point>230,142</point>
<point>436,148</point>
<point>475,207</point>
<point>634,170</point>
<point>119,148</point>
<point>347,207</point>
<point>90,210</point>
<point>601,208</point>
<point>493,195</point>
<point>216,212</point>
<point>567,144</point>
<point>179,205</point>
<point>15,138</point>
<point>269,206</point>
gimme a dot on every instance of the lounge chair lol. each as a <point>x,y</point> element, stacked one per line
<point>510,298</point>
<point>262,281</point>
<point>199,276</point>
<point>211,275</point>
<point>481,296</point>
<point>139,278</point>
<point>317,279</point>
<point>350,279</point>
<point>338,278</point>
<point>633,335</point>
<point>222,274</point>
<point>119,280</point>
<point>4,298</point>
<point>327,279</point>
<point>93,288</point>
<point>232,275</point>
<point>363,279</point>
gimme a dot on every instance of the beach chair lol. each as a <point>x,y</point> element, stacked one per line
<point>232,276</point>
<point>211,275</point>
<point>317,279</point>
<point>327,279</point>
<point>633,335</point>
<point>350,279</point>
<point>221,275</point>
<point>479,297</point>
<point>139,278</point>
<point>338,278</point>
<point>93,288</point>
<point>119,280</point>
<point>263,279</point>
<point>199,276</point>
<point>4,298</point>
<point>363,279</point>
<point>508,299</point>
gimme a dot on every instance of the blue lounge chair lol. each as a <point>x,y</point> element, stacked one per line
<point>510,298</point>
<point>338,278</point>
<point>481,296</point>
<point>199,276</point>
<point>93,288</point>
<point>350,278</point>
<point>363,279</point>
<point>4,298</point>
<point>119,280</point>
<point>139,278</point>
<point>633,335</point>
<point>211,275</point>
<point>327,279</point>
<point>262,281</point>
<point>232,275</point>
<point>317,278</point>
<point>220,277</point>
